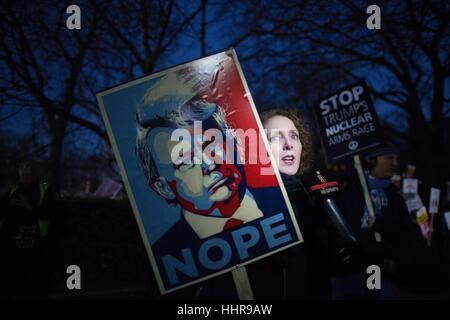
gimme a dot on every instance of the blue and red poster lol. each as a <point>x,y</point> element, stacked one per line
<point>193,157</point>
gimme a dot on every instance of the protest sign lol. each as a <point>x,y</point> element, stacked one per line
<point>422,215</point>
<point>191,150</point>
<point>414,203</point>
<point>410,171</point>
<point>434,200</point>
<point>348,125</point>
<point>447,219</point>
<point>423,221</point>
<point>410,186</point>
<point>347,121</point>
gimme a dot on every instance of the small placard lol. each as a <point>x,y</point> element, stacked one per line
<point>410,185</point>
<point>414,203</point>
<point>434,200</point>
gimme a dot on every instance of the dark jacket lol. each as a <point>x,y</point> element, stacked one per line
<point>23,249</point>
<point>401,239</point>
<point>325,252</point>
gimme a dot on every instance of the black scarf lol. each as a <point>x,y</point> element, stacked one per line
<point>291,183</point>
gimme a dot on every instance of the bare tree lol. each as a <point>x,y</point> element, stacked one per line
<point>44,63</point>
<point>406,62</point>
<point>58,71</point>
<point>140,34</point>
<point>291,50</point>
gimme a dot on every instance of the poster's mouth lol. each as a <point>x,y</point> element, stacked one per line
<point>224,181</point>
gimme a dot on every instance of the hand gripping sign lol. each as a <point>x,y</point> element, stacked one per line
<point>191,151</point>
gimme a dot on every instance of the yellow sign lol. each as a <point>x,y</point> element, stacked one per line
<point>422,215</point>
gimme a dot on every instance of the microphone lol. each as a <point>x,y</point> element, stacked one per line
<point>323,191</point>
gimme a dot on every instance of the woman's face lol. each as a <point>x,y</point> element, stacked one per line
<point>285,143</point>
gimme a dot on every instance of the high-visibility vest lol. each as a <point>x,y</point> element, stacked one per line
<point>43,186</point>
<point>43,223</point>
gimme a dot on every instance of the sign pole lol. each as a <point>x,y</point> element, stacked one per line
<point>434,209</point>
<point>367,198</point>
<point>242,284</point>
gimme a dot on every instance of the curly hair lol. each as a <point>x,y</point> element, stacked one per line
<point>304,131</point>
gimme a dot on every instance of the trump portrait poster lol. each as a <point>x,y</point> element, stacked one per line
<point>193,157</point>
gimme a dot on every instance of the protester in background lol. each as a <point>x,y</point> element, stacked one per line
<point>24,227</point>
<point>399,236</point>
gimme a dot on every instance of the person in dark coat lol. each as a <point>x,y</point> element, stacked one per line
<point>324,252</point>
<point>400,238</point>
<point>25,215</point>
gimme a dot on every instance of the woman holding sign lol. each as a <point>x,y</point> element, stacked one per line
<point>292,146</point>
<point>302,271</point>
<point>285,275</point>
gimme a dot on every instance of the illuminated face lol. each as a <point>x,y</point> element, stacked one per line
<point>284,141</point>
<point>196,173</point>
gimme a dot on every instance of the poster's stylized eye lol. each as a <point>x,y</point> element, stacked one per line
<point>185,162</point>
<point>294,136</point>
<point>185,166</point>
